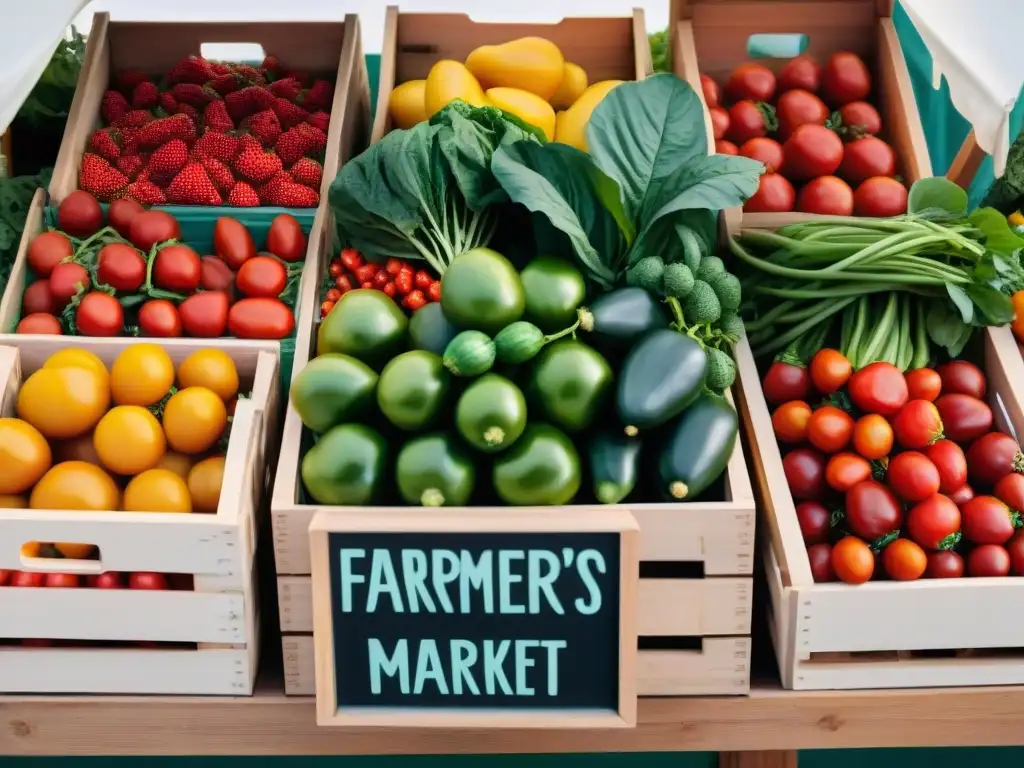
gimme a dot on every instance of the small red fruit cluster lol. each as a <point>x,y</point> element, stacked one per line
<point>898,470</point>
<point>785,123</point>
<point>211,134</point>
<point>411,288</point>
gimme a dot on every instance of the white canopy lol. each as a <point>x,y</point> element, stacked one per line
<point>977,47</point>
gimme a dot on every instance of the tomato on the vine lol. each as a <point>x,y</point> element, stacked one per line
<point>993,456</point>
<point>944,564</point>
<point>917,425</point>
<point>121,213</point>
<point>830,429</point>
<point>263,318</point>
<point>232,242</point>
<point>852,560</point>
<point>286,240</point>
<point>65,280</point>
<point>151,227</point>
<point>964,418</point>
<point>949,460</point>
<point>923,384</point>
<point>904,560</point>
<point>784,382</point>
<point>121,267</point>
<point>872,436</point>
<point>159,318</point>
<point>215,275</point>
<point>820,557</point>
<point>746,121</point>
<point>830,370</point>
<point>40,323</point>
<point>37,298</point>
<point>262,276</point>
<point>205,314</point>
<point>872,511</point>
<point>987,520</point>
<point>844,470</point>
<point>790,421</point>
<point>47,250</point>
<point>934,522</point>
<point>805,473</point>
<point>99,314</point>
<point>988,560</point>
<point>815,521</point>
<point>176,268</point>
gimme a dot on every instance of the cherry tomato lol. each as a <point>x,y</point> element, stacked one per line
<point>414,300</point>
<point>389,290</point>
<point>1010,491</point>
<point>335,268</point>
<point>48,250</point>
<point>845,78</point>
<point>344,285</point>
<point>872,436</point>
<point>962,495</point>
<point>988,560</point>
<point>99,314</point>
<point>65,280</point>
<point>826,196</point>
<point>790,421</point>
<point>784,382</point>
<point>949,460</point>
<point>852,560</point>
<point>286,240</point>
<point>866,158</point>
<point>325,308</point>
<point>944,564</point>
<point>434,291</point>
<point>917,425</point>
<point>800,72</point>
<point>381,279</point>
<point>719,122</point>
<point>41,324</point>
<point>147,580</point>
<point>964,418</point>
<point>106,580</point>
<point>121,213</point>
<point>811,151</point>
<point>62,580</point>
<point>830,370</point>
<point>750,81</point>
<point>1016,551</point>
<point>262,276</point>
<point>37,298</point>
<point>27,579</point>
<point>79,214</point>
<point>747,121</point>
<point>830,429</point>
<point>912,476</point>
<point>351,259</point>
<point>923,384</point>
<point>159,318</point>
<point>176,268</point>
<point>879,388</point>
<point>987,520</point>
<point>964,378</point>
<point>805,473</point>
<point>820,556</point>
<point>712,94</point>
<point>151,227</point>
<point>815,521</point>
<point>393,266</point>
<point>934,522</point>
<point>904,560</point>
<point>725,147</point>
<point>774,195</point>
<point>366,272</point>
<point>844,470</point>
<point>799,107</point>
<point>880,197</point>
<point>992,456</point>
<point>121,267</point>
<point>333,295</point>
<point>404,282</point>
<point>215,275</point>
<point>764,150</point>
<point>205,314</point>
<point>264,318</point>
<point>872,511</point>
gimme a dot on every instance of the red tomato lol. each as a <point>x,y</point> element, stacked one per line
<point>264,276</point>
<point>747,121</point>
<point>27,579</point>
<point>944,564</point>
<point>48,250</point>
<point>879,388</point>
<point>904,560</point>
<point>811,151</point>
<point>147,580</point>
<point>285,238</point>
<point>260,319</point>
<point>763,150</point>
<point>232,242</point>
<point>964,418</point>
<point>176,268</point>
<point>918,424</point>
<point>826,196</point>
<point>1010,491</point>
<point>867,157</point>
<point>151,227</point>
<point>709,87</point>
<point>774,195</point>
<point>215,275</point>
<point>121,213</point>
<point>949,460</point>
<point>107,580</point>
<point>99,314</point>
<point>830,370</point>
<point>923,384</point>
<point>988,560</point>
<point>872,436</point>
<point>992,456</point>
<point>37,298</point>
<point>852,560</point>
<point>830,429</point>
<point>872,511</point>
<point>79,214</point>
<point>844,470</point>
<point>63,580</point>
<point>1016,551</point>
<point>860,119</point>
<point>805,473</point>
<point>880,197</point>
<point>784,382</point>
<point>934,522</point>
<point>722,147</point>
<point>820,557</point>
<point>962,495</point>
<point>159,318</point>
<point>964,378</point>
<point>815,521</point>
<point>65,281</point>
<point>40,323</point>
<point>845,78</point>
<point>790,421</point>
<point>799,107</point>
<point>121,267</point>
<point>802,72</point>
<point>719,122</point>
<point>750,81</point>
<point>205,314</point>
<point>5,576</point>
<point>986,520</point>
<point>912,476</point>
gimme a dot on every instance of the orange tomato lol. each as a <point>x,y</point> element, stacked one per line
<point>63,402</point>
<point>790,421</point>
<point>204,483</point>
<point>830,429</point>
<point>74,551</point>
<point>178,463</point>
<point>76,485</point>
<point>194,419</point>
<point>904,560</point>
<point>210,368</point>
<point>872,436</point>
<point>129,440</point>
<point>24,456</point>
<point>1017,326</point>
<point>852,560</point>
<point>157,490</point>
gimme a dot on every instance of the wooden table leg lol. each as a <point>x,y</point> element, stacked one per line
<point>778,759</point>
<point>965,164</point>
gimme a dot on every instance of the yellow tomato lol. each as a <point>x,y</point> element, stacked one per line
<point>129,440</point>
<point>72,357</point>
<point>527,106</point>
<point>449,80</point>
<point>74,551</point>
<point>76,449</point>
<point>63,402</point>
<point>157,490</point>
<point>10,501</point>
<point>210,368</point>
<point>76,485</point>
<point>194,418</point>
<point>178,463</point>
<point>530,63</point>
<point>1016,219</point>
<point>24,456</point>
<point>141,375</point>
<point>407,103</point>
<point>572,123</point>
<point>574,83</point>
<point>204,482</point>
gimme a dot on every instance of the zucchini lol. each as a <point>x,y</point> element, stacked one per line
<point>618,318</point>
<point>697,447</point>
<point>471,353</point>
<point>614,465</point>
<point>435,471</point>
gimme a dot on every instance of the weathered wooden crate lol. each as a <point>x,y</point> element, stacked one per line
<point>220,614</point>
<point>883,634</point>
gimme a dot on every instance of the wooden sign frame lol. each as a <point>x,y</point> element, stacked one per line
<point>539,520</point>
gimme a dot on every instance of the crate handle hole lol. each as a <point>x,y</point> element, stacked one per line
<point>62,557</point>
<point>503,17</point>
<point>244,52</point>
<point>777,45</point>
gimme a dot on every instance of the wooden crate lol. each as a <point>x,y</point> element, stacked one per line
<point>710,37</point>
<point>607,48</point>
<point>331,49</point>
<point>220,615</point>
<point>884,634</point>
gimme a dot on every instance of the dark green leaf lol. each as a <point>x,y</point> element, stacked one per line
<point>994,305</point>
<point>999,236</point>
<point>962,301</point>
<point>946,329</point>
<point>940,193</point>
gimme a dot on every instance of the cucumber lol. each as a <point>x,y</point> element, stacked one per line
<point>332,389</point>
<point>541,469</point>
<point>619,317</point>
<point>614,465</point>
<point>662,375</point>
<point>435,471</point>
<point>697,447</point>
<point>469,354</point>
<point>481,291</point>
<point>345,466</point>
<point>572,384</point>
<point>491,414</point>
<point>412,389</point>
<point>364,324</point>
<point>430,330</point>
<point>523,341</point>
<point>554,288</point>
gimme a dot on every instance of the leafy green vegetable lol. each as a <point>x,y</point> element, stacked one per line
<point>1006,194</point>
<point>660,54</point>
<point>937,196</point>
<point>15,197</point>
<point>52,95</point>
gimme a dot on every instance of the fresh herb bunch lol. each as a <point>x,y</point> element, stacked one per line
<point>51,97</point>
<point>15,197</point>
<point>660,53</point>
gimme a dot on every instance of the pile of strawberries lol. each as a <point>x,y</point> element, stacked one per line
<point>211,133</point>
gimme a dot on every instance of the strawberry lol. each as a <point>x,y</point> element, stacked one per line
<point>286,88</point>
<point>191,69</point>
<point>192,186</point>
<point>278,179</point>
<point>256,165</point>
<point>190,112</point>
<point>288,194</point>
<point>145,192</point>
<point>308,172</point>
<point>113,107</point>
<point>219,68</point>
<point>264,126</point>
<point>145,96</point>
<point>219,174</point>
<point>289,114</point>
<point>317,138</point>
<point>216,117</point>
<point>130,165</point>
<point>220,146</point>
<point>102,142</point>
<point>98,177</point>
<point>319,96</point>
<point>250,74</point>
<point>224,84</point>
<point>196,95</point>
<point>292,145</point>
<point>129,141</point>
<point>168,103</point>
<point>271,64</point>
<point>127,79</point>
<point>320,120</point>
<point>136,118</point>
<point>169,158</point>
<point>248,101</point>
<point>298,74</point>
<point>164,129</point>
<point>247,142</point>
<point>243,195</point>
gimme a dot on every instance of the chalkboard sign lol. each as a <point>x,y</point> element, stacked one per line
<point>475,617</point>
